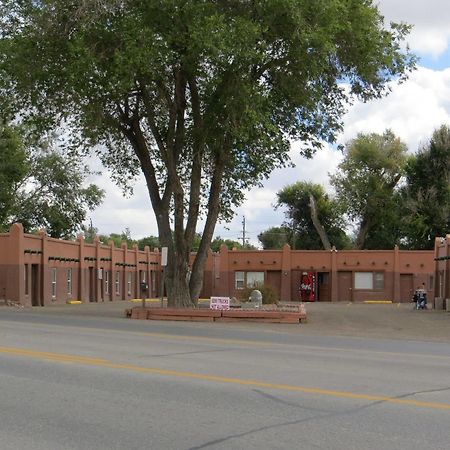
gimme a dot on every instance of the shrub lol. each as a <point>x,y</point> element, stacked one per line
<point>269,294</point>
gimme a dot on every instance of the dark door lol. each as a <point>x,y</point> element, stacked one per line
<point>406,287</point>
<point>345,287</point>
<point>92,285</point>
<point>274,280</point>
<point>35,297</point>
<point>323,287</point>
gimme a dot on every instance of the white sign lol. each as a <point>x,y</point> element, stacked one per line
<point>222,303</point>
<point>164,256</point>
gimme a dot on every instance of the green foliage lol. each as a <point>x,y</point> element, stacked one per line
<point>151,241</point>
<point>13,168</point>
<point>41,187</point>
<point>296,199</point>
<point>425,198</point>
<point>366,185</point>
<point>217,242</point>
<point>275,238</point>
<point>268,292</point>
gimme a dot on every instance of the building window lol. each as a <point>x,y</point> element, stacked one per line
<point>248,279</point>
<point>369,280</point>
<point>129,283</point>
<point>239,280</point>
<point>117,282</point>
<point>25,279</point>
<point>378,280</point>
<point>153,279</point>
<point>69,281</point>
<point>54,283</point>
<point>254,279</point>
<point>106,275</point>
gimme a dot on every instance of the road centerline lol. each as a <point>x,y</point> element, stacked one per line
<point>61,357</point>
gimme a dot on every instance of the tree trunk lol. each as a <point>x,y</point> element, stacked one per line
<point>362,233</point>
<point>177,282</point>
<point>317,224</point>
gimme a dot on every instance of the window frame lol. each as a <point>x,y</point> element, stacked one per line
<point>369,281</point>
<point>54,277</point>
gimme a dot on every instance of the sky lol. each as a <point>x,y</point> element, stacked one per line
<point>413,110</point>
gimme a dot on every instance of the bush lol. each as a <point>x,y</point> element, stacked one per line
<point>269,294</point>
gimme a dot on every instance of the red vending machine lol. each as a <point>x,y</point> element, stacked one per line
<point>308,287</point>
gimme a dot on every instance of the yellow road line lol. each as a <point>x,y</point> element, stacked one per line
<point>61,357</point>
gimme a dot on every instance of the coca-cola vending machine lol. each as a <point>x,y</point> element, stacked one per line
<point>308,287</point>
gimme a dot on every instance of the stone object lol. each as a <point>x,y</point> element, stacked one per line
<point>254,301</point>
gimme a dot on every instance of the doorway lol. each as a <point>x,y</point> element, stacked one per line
<point>35,297</point>
<point>345,292</point>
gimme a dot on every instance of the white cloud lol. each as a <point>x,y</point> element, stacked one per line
<point>430,19</point>
<point>413,110</point>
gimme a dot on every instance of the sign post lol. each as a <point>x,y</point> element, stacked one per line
<point>164,251</point>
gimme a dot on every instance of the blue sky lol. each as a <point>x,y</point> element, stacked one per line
<point>413,111</point>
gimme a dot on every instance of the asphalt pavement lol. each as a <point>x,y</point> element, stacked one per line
<point>390,321</point>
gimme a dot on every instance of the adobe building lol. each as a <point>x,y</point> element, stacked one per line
<point>442,270</point>
<point>37,270</point>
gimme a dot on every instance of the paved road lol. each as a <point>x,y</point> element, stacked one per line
<point>86,378</point>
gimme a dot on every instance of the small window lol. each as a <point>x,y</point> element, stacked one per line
<point>378,280</point>
<point>369,280</point>
<point>106,278</point>
<point>69,281</point>
<point>129,283</point>
<point>254,279</point>
<point>54,283</point>
<point>117,282</point>
<point>363,280</point>
<point>239,280</point>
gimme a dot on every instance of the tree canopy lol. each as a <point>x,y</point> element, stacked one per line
<point>275,237</point>
<point>365,184</point>
<point>425,197</point>
<point>203,96</point>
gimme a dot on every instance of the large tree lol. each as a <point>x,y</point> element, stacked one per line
<point>366,185</point>
<point>426,193</point>
<point>315,220</point>
<point>203,96</point>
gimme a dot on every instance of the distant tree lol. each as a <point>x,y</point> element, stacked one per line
<point>151,241</point>
<point>366,184</point>
<point>40,186</point>
<point>119,238</point>
<point>217,242</point>
<point>275,238</point>
<point>425,197</point>
<point>315,220</point>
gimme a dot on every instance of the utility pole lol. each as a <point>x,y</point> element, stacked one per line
<point>244,238</point>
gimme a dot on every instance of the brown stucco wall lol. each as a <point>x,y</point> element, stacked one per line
<point>27,263</point>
